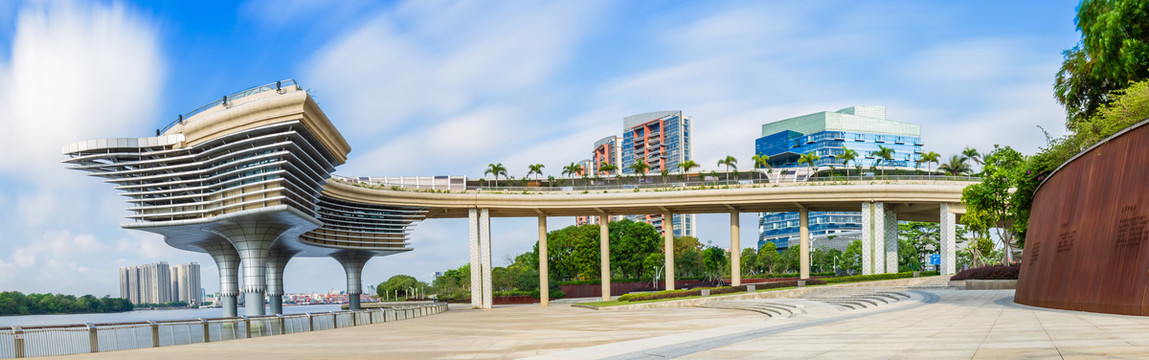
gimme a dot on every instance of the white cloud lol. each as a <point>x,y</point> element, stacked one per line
<point>37,208</point>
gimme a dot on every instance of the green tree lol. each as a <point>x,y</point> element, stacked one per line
<point>606,168</point>
<point>767,257</point>
<point>788,260</point>
<point>535,169</point>
<point>809,159</point>
<point>990,204</point>
<point>497,170</point>
<point>956,166</point>
<point>884,155</point>
<point>852,258</point>
<point>714,259</point>
<point>847,156</point>
<point>749,261</point>
<point>630,244</point>
<point>916,241</point>
<point>761,161</point>
<point>400,283</point>
<point>972,155</point>
<point>729,162</point>
<point>1112,54</point>
<point>930,158</point>
<point>640,167</point>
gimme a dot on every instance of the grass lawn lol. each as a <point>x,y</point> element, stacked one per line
<point>617,303</point>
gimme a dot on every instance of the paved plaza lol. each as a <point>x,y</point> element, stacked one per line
<point>933,323</point>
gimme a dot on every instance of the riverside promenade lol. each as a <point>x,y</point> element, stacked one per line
<point>938,323</point>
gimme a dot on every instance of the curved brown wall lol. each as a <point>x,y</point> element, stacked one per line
<point>1088,242</point>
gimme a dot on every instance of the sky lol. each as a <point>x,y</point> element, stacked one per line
<point>445,88</point>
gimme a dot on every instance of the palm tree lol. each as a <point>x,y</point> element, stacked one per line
<point>847,156</point>
<point>572,170</point>
<point>729,162</point>
<point>956,166</point>
<point>686,166</point>
<point>809,159</point>
<point>884,154</point>
<point>972,154</point>
<point>536,169</point>
<point>930,157</point>
<point>761,161</point>
<point>606,167</point>
<point>640,167</point>
<point>665,173</point>
<point>497,170</point>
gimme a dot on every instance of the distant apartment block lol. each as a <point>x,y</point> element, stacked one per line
<point>828,134</point>
<point>155,283</point>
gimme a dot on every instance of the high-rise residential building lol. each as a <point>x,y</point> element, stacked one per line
<point>828,134</point>
<point>149,283</point>
<point>607,150</point>
<point>662,140</point>
<point>186,283</point>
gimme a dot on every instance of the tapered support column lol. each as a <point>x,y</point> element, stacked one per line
<point>867,238</point>
<point>668,248</point>
<point>277,260</point>
<point>252,242</point>
<point>878,253</point>
<point>353,262</point>
<point>948,240</point>
<point>803,243</point>
<point>476,260</point>
<point>735,252</point>
<point>227,261</point>
<point>485,251</point>
<point>544,279</point>
<point>604,255</point>
<point>891,251</point>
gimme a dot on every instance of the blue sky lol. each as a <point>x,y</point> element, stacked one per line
<point>444,88</point>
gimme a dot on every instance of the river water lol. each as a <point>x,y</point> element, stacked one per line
<point>144,315</point>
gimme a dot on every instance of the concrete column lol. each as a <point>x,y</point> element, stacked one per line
<point>277,260</point>
<point>227,261</point>
<point>353,262</point>
<point>867,237</point>
<point>252,242</point>
<point>604,255</point>
<point>891,251</point>
<point>476,257</point>
<point>878,253</point>
<point>948,240</point>
<point>735,251</point>
<point>803,243</point>
<point>544,279</point>
<point>485,251</point>
<point>668,248</point>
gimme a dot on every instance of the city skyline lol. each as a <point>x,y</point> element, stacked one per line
<point>467,85</point>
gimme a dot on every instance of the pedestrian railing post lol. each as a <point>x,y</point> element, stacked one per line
<point>18,345</point>
<point>310,322</point>
<point>247,327</point>
<point>206,332</point>
<point>354,318</point>
<point>282,324</point>
<point>334,320</point>
<point>93,338</point>
<point>155,333</point>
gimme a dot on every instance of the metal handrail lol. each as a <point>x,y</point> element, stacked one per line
<point>43,340</point>
<point>277,86</point>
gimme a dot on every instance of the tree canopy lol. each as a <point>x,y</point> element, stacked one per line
<point>16,303</point>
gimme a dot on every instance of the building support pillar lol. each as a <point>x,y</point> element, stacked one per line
<point>353,262</point>
<point>735,251</point>
<point>277,260</point>
<point>252,242</point>
<point>476,259</point>
<point>668,248</point>
<point>867,237</point>
<point>544,278</point>
<point>891,250</point>
<point>227,261</point>
<point>604,255</point>
<point>485,252</point>
<point>803,242</point>
<point>948,230</point>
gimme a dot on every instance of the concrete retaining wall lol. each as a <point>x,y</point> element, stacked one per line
<point>990,284</point>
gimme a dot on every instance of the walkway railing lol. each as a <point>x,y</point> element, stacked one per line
<point>20,342</point>
<point>636,183</point>
<point>282,86</point>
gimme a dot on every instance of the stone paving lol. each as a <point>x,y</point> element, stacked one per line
<point>935,324</point>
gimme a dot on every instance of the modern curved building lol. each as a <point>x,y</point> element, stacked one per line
<point>241,179</point>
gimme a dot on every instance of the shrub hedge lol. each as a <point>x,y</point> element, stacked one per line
<point>786,275</point>
<point>856,278</point>
<point>992,272</point>
<point>670,294</point>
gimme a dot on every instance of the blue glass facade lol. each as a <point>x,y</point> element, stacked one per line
<point>827,134</point>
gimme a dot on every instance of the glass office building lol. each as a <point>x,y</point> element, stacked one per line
<point>827,134</point>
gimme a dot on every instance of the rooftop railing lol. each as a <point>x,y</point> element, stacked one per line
<point>50,340</point>
<point>281,86</point>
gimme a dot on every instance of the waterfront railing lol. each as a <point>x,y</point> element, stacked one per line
<point>50,340</point>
